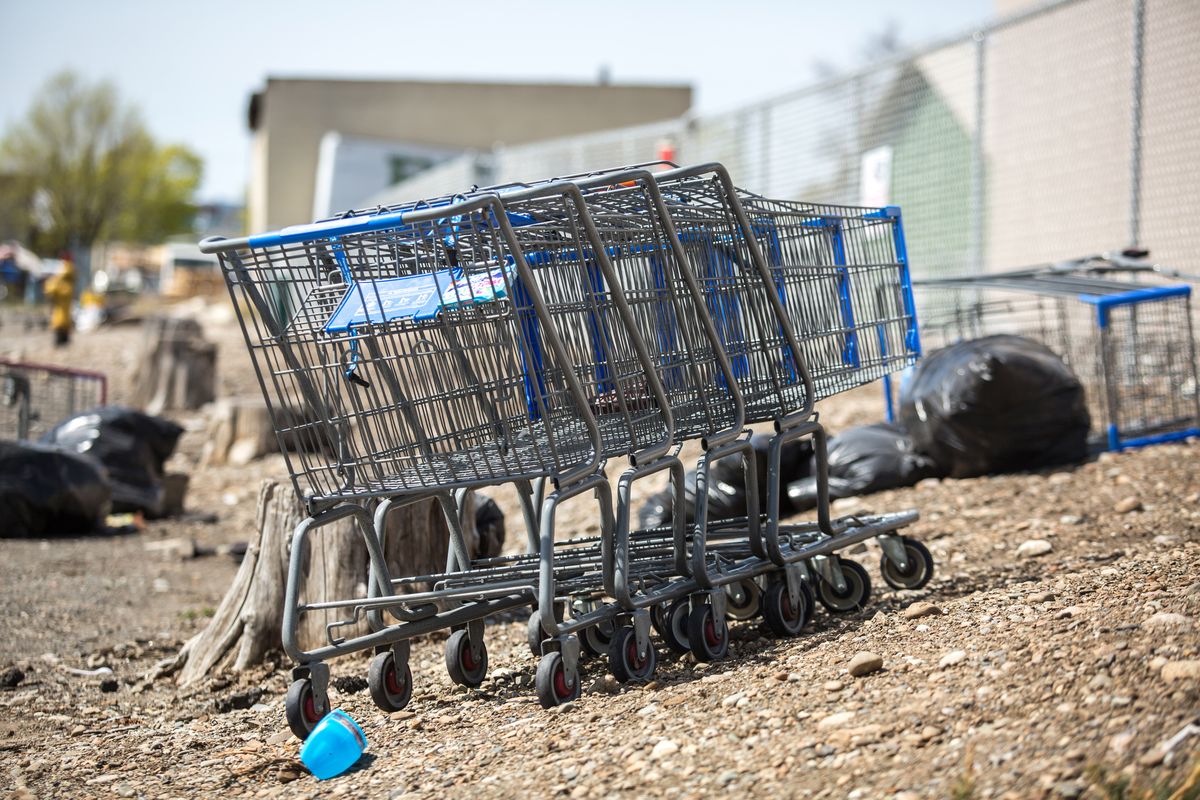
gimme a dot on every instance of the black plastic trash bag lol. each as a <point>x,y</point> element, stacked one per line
<point>727,485</point>
<point>45,491</point>
<point>996,404</point>
<point>489,525</point>
<point>131,445</point>
<point>866,459</point>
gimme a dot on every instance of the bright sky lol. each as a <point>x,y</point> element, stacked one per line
<point>191,66</point>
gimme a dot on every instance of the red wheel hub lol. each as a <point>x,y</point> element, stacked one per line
<point>466,657</point>
<point>561,688</point>
<point>310,708</point>
<point>394,686</point>
<point>631,654</point>
<point>710,631</point>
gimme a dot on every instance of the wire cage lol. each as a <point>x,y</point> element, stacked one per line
<point>397,354</point>
<point>36,397</point>
<point>1131,345</point>
<point>842,274</point>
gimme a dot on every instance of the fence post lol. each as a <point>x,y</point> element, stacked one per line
<point>977,204</point>
<point>1135,156</point>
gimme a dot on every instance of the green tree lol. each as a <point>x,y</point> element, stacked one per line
<point>84,168</point>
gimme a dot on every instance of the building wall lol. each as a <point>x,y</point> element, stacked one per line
<point>293,115</point>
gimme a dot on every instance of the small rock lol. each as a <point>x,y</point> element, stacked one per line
<point>664,749</point>
<point>1069,789</point>
<point>287,774</point>
<point>109,685</point>
<point>238,701</point>
<point>1033,548</point>
<point>1165,620</point>
<point>161,585</point>
<point>11,677</point>
<point>403,715</point>
<point>1181,671</point>
<point>865,663</point>
<point>125,790</point>
<point>836,720</point>
<point>280,737</point>
<point>1119,743</point>
<point>921,609</point>
<point>834,686</point>
<point>1040,597</point>
<point>952,658</point>
<point>179,549</point>
<point>1070,519</point>
<point>1127,505</point>
<point>732,699</point>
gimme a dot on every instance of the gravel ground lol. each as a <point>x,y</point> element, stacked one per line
<point>1023,670</point>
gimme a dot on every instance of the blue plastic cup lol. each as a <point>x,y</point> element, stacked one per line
<point>333,746</point>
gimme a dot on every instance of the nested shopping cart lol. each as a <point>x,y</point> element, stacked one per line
<point>399,352</point>
<point>821,258</point>
<point>530,334</point>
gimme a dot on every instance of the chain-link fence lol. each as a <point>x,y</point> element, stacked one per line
<point>1062,130</point>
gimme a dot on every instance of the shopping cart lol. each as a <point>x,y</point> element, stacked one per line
<point>528,334</point>
<point>398,351</point>
<point>36,397</point>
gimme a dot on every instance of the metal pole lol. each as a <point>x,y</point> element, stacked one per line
<point>765,143</point>
<point>977,209</point>
<point>1135,156</point>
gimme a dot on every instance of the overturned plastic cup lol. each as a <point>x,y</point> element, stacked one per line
<point>334,745</point>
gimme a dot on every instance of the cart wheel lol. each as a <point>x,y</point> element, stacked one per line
<point>300,706</point>
<point>674,628</point>
<point>707,635</point>
<point>597,639</point>
<point>534,635</point>
<point>467,666</point>
<point>658,618</point>
<point>782,616</point>
<point>858,589</point>
<point>920,566</point>
<point>390,683</point>
<point>623,658</point>
<point>742,600</point>
<point>550,681</point>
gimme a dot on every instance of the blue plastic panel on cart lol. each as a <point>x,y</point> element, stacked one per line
<point>375,302</point>
<point>418,297</point>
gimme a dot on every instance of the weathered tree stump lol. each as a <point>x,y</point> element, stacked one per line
<point>247,624</point>
<point>177,367</point>
<point>241,432</point>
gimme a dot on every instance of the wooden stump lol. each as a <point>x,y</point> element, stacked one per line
<point>247,624</point>
<point>177,368</point>
<point>241,431</point>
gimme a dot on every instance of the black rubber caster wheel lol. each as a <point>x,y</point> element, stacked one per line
<point>300,706</point>
<point>467,666</point>
<point>856,594</point>
<point>550,681</point>
<point>534,635</point>
<point>674,626</point>
<point>742,600</point>
<point>390,683</point>
<point>623,660</point>
<point>597,639</point>
<point>707,635</point>
<point>783,617</point>
<point>919,571</point>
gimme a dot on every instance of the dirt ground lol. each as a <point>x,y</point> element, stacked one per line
<point>1062,674</point>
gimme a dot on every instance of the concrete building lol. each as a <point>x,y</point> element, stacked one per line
<point>290,118</point>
